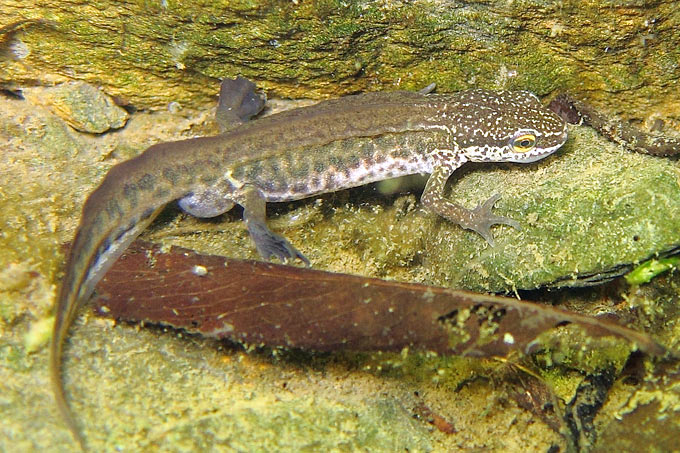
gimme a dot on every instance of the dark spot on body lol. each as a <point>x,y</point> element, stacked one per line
<point>146,182</point>
<point>328,179</point>
<point>657,126</point>
<point>113,209</point>
<point>271,185</point>
<point>301,170</point>
<point>367,149</point>
<point>400,153</point>
<point>348,146</point>
<point>274,166</point>
<point>161,194</point>
<point>256,171</point>
<point>208,179</point>
<point>189,176</point>
<point>353,162</point>
<point>131,194</point>
<point>300,187</point>
<point>171,175</point>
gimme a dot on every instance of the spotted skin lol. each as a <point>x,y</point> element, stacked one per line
<point>330,146</point>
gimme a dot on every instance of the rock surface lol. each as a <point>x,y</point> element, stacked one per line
<point>80,105</point>
<point>622,56</point>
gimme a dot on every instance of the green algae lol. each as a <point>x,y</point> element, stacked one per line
<point>622,55</point>
<point>265,425</point>
<point>570,348</point>
<point>646,271</point>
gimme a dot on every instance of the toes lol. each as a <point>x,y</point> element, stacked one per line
<point>485,232</point>
<point>505,221</point>
<point>270,244</point>
<point>279,247</point>
<point>484,219</point>
<point>488,205</point>
<point>296,254</point>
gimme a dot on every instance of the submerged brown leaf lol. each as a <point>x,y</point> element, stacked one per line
<point>276,305</point>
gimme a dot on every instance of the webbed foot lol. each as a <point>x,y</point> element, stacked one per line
<point>482,219</point>
<point>270,244</point>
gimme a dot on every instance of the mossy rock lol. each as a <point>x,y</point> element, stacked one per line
<point>622,55</point>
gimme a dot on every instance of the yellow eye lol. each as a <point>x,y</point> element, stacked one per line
<point>523,143</point>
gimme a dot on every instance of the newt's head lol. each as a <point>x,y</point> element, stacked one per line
<point>505,126</point>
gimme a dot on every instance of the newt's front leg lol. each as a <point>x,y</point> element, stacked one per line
<point>479,219</point>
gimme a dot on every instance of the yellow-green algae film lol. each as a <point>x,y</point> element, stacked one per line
<point>621,54</point>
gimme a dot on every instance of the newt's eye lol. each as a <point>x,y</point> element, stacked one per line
<point>522,143</point>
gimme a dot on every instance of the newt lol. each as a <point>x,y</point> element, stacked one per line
<point>330,146</point>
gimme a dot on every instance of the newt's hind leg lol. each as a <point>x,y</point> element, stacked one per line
<point>208,203</point>
<point>238,103</point>
<point>268,243</point>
